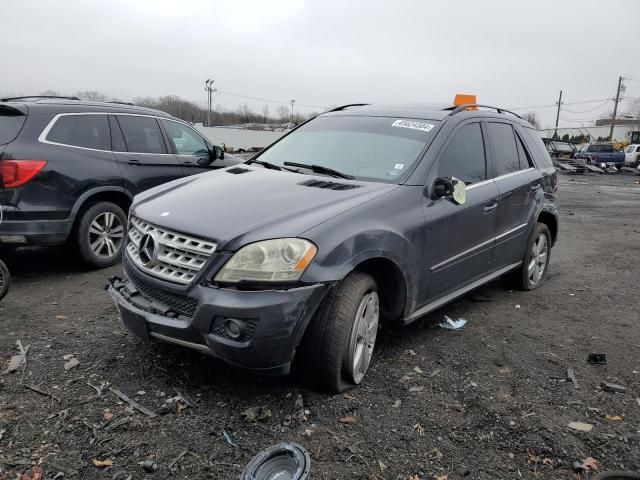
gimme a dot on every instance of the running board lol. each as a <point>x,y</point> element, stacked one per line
<point>430,307</point>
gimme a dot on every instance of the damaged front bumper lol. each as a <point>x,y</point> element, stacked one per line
<point>258,330</point>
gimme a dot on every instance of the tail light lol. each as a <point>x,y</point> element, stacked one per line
<point>14,173</point>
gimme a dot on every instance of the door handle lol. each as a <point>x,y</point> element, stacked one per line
<point>187,164</point>
<point>133,161</point>
<point>490,207</point>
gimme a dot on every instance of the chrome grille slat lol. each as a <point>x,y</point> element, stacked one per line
<point>180,257</point>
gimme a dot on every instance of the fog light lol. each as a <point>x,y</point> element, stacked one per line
<point>13,239</point>
<point>234,328</point>
<point>285,461</point>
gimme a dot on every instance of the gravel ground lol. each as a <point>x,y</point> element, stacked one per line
<point>490,401</point>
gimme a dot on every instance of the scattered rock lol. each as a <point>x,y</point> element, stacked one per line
<point>256,414</point>
<point>348,420</point>
<point>72,363</point>
<point>613,387</point>
<point>580,427</point>
<point>415,389</point>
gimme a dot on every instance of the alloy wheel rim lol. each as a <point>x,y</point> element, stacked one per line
<point>538,261</point>
<point>363,337</point>
<point>106,234</point>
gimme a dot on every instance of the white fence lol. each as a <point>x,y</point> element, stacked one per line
<point>237,138</point>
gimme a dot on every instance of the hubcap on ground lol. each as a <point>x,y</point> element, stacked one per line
<point>363,337</point>
<point>538,261</point>
<point>106,234</point>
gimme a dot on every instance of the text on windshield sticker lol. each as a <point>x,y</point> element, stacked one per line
<point>425,127</point>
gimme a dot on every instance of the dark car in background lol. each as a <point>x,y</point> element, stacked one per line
<point>69,169</point>
<point>599,154</point>
<point>362,215</point>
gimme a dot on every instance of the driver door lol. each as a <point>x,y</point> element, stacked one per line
<point>460,238</point>
<point>193,152</point>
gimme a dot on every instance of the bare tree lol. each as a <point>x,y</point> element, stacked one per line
<point>49,93</point>
<point>265,113</point>
<point>283,114</point>
<point>92,96</point>
<point>532,118</point>
<point>634,110</point>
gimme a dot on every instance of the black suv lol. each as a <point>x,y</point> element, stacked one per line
<point>69,169</point>
<point>362,215</point>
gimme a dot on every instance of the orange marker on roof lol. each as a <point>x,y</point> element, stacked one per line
<point>465,99</point>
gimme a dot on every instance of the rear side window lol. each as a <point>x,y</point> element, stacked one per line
<point>87,131</point>
<point>142,134</point>
<point>504,152</point>
<point>463,157</point>
<point>536,145</point>
<point>525,159</point>
<point>10,125</point>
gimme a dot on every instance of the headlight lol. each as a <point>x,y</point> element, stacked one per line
<point>279,260</point>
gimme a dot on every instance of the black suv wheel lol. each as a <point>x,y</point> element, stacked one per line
<point>535,264</point>
<point>5,279</point>
<point>100,234</point>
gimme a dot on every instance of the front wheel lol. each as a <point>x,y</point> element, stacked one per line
<point>338,345</point>
<point>535,264</point>
<point>100,234</point>
<point>5,279</point>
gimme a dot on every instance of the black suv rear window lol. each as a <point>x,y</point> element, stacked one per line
<point>87,131</point>
<point>10,125</point>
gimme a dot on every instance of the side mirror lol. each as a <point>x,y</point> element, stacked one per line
<point>218,152</point>
<point>450,187</point>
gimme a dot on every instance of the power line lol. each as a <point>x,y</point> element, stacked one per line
<point>591,109</point>
<point>268,100</point>
<point>555,105</point>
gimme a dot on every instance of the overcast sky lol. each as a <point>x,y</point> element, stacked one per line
<point>328,52</point>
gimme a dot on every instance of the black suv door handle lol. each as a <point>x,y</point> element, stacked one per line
<point>490,207</point>
<point>187,164</point>
<point>133,161</point>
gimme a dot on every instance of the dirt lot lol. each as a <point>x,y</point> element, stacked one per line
<point>491,400</point>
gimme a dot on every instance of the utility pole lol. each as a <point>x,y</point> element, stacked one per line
<point>555,133</point>
<point>208,86</point>
<point>615,108</point>
<point>292,102</point>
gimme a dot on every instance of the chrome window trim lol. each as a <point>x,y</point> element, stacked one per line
<point>42,138</point>
<point>476,247</point>
<point>480,184</point>
<point>501,177</point>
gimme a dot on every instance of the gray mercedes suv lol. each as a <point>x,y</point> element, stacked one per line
<point>363,215</point>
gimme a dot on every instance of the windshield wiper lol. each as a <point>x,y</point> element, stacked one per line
<point>271,166</point>
<point>321,169</point>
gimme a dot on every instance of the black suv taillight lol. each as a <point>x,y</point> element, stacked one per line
<point>14,173</point>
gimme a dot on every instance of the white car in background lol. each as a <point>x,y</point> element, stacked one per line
<point>632,156</point>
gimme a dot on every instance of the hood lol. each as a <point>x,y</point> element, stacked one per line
<point>243,204</point>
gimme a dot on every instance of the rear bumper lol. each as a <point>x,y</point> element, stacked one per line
<point>274,322</point>
<point>34,232</point>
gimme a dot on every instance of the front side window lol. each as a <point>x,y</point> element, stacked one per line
<point>185,140</point>
<point>504,152</point>
<point>464,157</point>
<point>87,131</point>
<point>141,134</point>
<point>369,148</point>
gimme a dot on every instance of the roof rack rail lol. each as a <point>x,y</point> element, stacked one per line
<point>344,107</point>
<point>11,99</point>
<point>461,108</point>
<point>123,103</point>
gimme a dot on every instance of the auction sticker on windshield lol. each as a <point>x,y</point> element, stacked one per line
<point>425,127</point>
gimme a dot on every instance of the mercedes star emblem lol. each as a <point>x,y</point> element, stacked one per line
<point>148,250</point>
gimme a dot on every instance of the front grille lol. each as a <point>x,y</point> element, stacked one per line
<point>179,257</point>
<point>181,304</point>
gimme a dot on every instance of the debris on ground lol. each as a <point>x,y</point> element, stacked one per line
<point>17,360</point>
<point>597,358</point>
<point>227,438</point>
<point>73,362</point>
<point>178,458</point>
<point>613,418</point>
<point>590,463</point>
<point>580,426</point>
<point>133,403</point>
<point>149,466</point>
<point>450,324</point>
<point>415,389</point>
<point>613,387</point>
<point>173,405</point>
<point>398,402</point>
<point>256,414</point>
<point>348,420</point>
<point>571,375</point>
<point>102,463</point>
<point>300,413</point>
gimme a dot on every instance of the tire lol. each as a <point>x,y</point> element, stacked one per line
<point>329,349</point>
<point>5,280</point>
<point>526,277</point>
<point>99,241</point>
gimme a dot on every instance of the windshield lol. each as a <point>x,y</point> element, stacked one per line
<point>369,148</point>
<point>601,148</point>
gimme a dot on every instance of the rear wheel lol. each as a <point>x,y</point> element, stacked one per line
<point>100,234</point>
<point>5,279</point>
<point>338,345</point>
<point>534,268</point>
